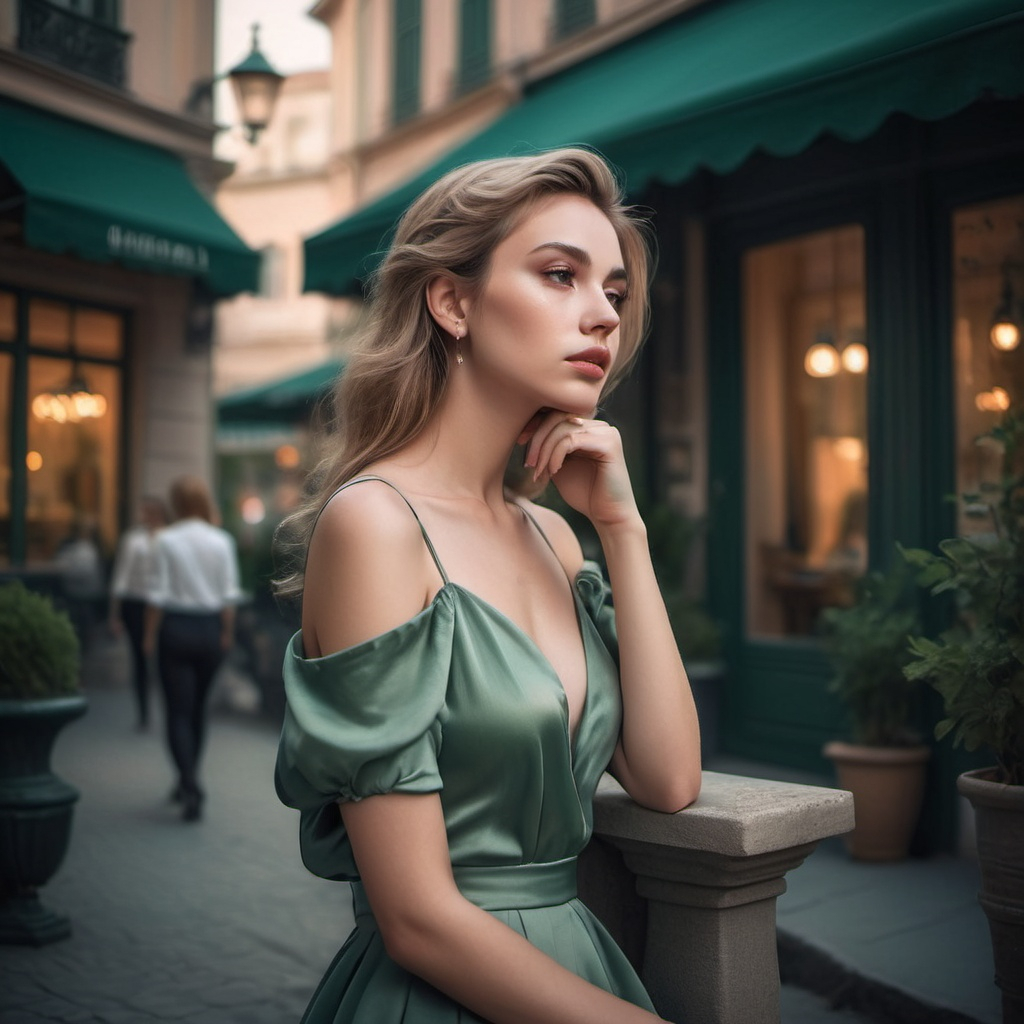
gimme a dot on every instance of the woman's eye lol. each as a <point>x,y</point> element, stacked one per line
<point>562,275</point>
<point>616,299</point>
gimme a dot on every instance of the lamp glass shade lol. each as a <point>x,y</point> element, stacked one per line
<point>255,94</point>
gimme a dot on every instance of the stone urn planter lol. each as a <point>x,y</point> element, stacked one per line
<point>39,666</point>
<point>999,821</point>
<point>36,807</point>
<point>887,784</point>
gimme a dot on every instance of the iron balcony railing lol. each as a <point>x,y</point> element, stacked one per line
<point>75,42</point>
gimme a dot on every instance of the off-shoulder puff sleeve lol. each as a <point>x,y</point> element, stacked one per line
<point>363,721</point>
<point>596,595</point>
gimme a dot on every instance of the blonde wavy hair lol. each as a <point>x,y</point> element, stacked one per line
<point>392,386</point>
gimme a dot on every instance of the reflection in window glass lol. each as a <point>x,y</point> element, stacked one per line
<point>6,364</point>
<point>8,316</point>
<point>74,482</point>
<point>988,350</point>
<point>98,333</point>
<point>806,352</point>
<point>49,323</point>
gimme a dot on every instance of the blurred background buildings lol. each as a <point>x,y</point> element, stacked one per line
<point>838,193</point>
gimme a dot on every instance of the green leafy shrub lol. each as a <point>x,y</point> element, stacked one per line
<point>39,655</point>
<point>867,645</point>
<point>978,665</point>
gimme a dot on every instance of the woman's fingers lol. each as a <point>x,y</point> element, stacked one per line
<point>557,439</point>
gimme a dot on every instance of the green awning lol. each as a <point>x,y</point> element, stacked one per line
<point>284,401</point>
<point>716,83</point>
<point>107,198</point>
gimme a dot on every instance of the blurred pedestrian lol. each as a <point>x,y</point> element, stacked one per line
<point>190,624</point>
<point>132,582</point>
<point>80,565</point>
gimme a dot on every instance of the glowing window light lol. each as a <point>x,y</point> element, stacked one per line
<point>287,456</point>
<point>1005,335</point>
<point>855,357</point>
<point>69,406</point>
<point>849,449</point>
<point>34,461</point>
<point>996,400</point>
<point>253,510</point>
<point>821,360</point>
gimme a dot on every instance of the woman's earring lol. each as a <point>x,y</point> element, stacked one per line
<point>458,346</point>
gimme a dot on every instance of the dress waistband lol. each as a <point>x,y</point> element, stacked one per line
<point>503,886</point>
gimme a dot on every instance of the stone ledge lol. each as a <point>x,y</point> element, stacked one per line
<point>733,817</point>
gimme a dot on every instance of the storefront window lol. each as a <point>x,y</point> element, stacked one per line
<point>8,316</point>
<point>73,463</point>
<point>49,324</point>
<point>60,458</point>
<point>806,351</point>
<point>988,350</point>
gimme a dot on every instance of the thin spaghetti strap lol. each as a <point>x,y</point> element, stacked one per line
<point>426,537</point>
<point>529,515</point>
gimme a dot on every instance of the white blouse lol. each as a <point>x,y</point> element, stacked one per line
<point>196,568</point>
<point>135,565</point>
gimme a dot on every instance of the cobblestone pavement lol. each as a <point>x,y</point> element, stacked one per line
<point>209,923</point>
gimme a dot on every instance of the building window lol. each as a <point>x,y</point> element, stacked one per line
<point>474,44</point>
<point>572,16</point>
<point>806,353</point>
<point>988,347</point>
<point>406,54</point>
<point>80,35</point>
<point>61,370</point>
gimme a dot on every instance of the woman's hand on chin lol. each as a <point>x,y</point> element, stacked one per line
<point>585,460</point>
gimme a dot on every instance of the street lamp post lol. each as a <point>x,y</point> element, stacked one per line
<point>255,84</point>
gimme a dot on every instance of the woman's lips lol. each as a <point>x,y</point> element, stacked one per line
<point>591,362</point>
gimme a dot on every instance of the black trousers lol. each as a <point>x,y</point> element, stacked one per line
<point>189,653</point>
<point>133,615</point>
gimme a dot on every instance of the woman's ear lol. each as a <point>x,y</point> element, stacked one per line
<point>446,304</point>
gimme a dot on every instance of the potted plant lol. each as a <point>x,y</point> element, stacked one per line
<point>671,537</point>
<point>884,765</point>
<point>39,695</point>
<point>977,666</point>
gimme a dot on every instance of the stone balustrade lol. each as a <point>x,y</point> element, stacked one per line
<point>690,896</point>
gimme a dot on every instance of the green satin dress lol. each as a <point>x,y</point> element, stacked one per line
<point>459,701</point>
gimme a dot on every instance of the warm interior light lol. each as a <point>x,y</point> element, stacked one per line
<point>821,360</point>
<point>996,400</point>
<point>287,456</point>
<point>849,449</point>
<point>1005,335</point>
<point>34,461</point>
<point>253,510</point>
<point>855,357</point>
<point>69,406</point>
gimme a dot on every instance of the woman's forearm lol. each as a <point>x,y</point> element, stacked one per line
<point>658,761</point>
<point>499,975</point>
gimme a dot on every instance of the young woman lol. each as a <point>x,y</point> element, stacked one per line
<point>190,622</point>
<point>458,687</point>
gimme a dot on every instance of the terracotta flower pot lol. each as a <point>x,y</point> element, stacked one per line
<point>999,821</point>
<point>888,787</point>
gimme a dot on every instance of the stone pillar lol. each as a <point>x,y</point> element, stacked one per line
<point>691,896</point>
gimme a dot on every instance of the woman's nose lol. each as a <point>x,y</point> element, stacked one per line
<point>600,315</point>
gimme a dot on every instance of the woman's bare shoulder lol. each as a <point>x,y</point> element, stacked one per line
<point>366,572</point>
<point>560,534</point>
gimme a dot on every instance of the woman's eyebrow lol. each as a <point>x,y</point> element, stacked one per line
<point>581,256</point>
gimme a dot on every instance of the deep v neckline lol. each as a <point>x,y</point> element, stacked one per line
<point>447,583</point>
<point>512,626</point>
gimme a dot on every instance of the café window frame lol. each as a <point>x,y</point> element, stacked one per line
<point>37,355</point>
